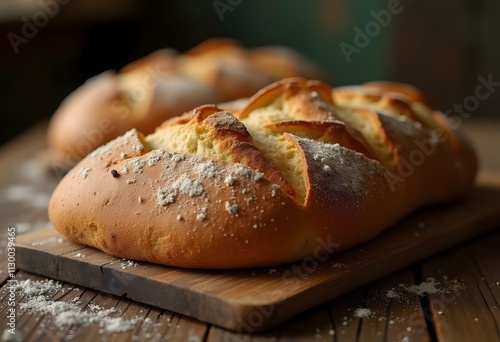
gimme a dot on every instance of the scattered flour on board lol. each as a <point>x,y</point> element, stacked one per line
<point>47,241</point>
<point>128,263</point>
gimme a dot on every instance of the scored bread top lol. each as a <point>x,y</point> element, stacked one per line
<point>299,166</point>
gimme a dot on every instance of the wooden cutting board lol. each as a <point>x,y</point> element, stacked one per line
<point>256,299</point>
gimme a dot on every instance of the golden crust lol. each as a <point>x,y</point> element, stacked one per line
<point>177,206</point>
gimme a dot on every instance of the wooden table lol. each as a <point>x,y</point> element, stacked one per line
<point>470,311</point>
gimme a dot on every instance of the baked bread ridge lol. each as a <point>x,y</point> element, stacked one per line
<point>186,205</point>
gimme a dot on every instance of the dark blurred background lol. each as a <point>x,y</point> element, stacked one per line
<point>50,47</point>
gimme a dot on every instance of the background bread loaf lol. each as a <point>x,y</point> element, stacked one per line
<point>162,85</point>
<point>299,166</point>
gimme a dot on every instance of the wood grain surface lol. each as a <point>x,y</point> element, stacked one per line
<point>258,299</point>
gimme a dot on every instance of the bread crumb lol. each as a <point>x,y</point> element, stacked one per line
<point>179,218</point>
<point>131,181</point>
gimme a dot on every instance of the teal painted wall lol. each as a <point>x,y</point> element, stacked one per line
<point>316,28</point>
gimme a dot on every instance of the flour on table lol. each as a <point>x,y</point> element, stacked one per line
<point>70,313</point>
<point>363,313</point>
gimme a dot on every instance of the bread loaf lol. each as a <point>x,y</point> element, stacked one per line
<point>159,86</point>
<point>300,167</point>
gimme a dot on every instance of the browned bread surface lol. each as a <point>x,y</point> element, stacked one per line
<point>297,168</point>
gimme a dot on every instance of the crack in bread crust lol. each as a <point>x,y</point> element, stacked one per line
<point>212,133</point>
